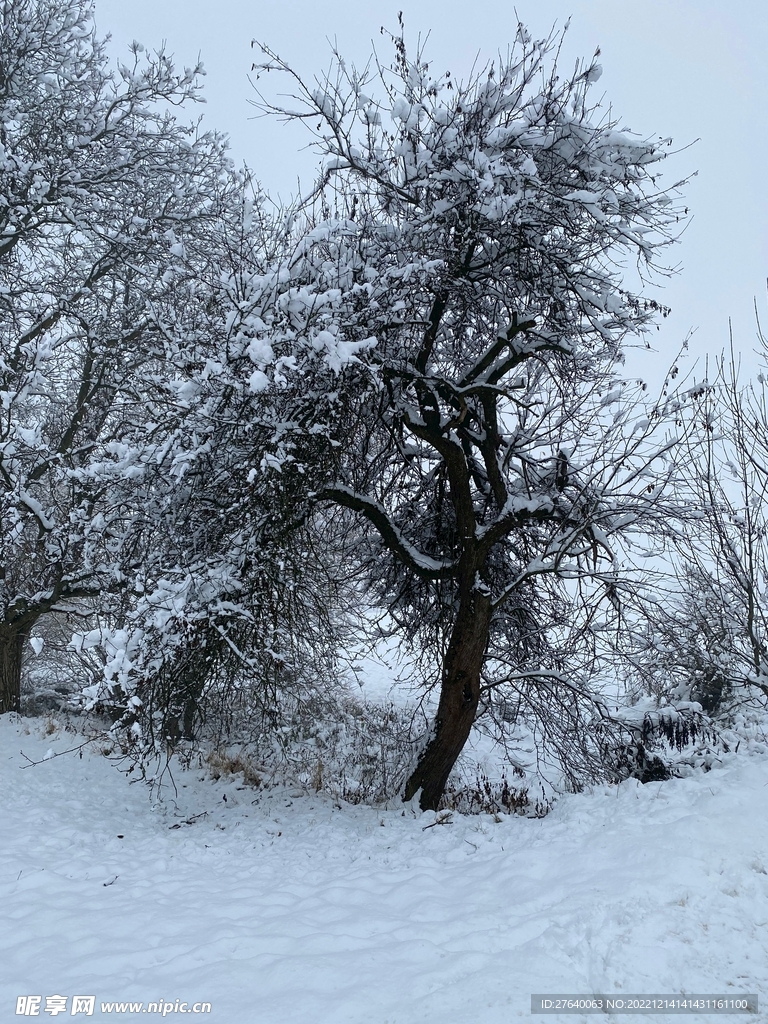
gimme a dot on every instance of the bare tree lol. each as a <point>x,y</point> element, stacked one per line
<point>708,634</point>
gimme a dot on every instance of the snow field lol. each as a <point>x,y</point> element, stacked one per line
<point>285,908</point>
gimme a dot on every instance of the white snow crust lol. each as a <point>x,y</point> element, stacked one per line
<point>287,908</point>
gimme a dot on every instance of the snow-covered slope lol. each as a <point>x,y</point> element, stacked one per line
<point>280,908</point>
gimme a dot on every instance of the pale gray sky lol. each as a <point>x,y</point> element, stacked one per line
<point>690,69</point>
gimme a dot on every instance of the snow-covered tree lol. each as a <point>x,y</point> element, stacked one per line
<point>103,197</point>
<point>230,616</point>
<point>454,316</point>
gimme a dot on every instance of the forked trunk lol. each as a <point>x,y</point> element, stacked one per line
<point>11,651</point>
<point>459,698</point>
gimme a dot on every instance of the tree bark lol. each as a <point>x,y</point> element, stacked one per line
<point>459,698</point>
<point>11,653</point>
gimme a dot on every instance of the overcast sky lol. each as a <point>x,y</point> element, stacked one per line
<point>690,69</point>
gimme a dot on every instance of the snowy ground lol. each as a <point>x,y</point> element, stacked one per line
<point>290,910</point>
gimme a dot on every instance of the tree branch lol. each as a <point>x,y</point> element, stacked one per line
<point>421,565</point>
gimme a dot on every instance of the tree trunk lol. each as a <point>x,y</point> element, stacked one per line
<point>11,652</point>
<point>459,698</point>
